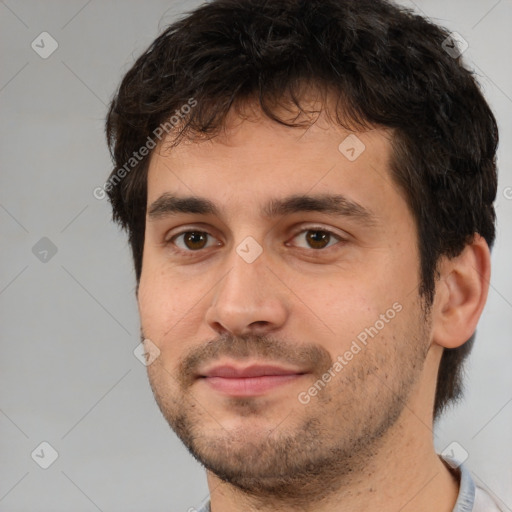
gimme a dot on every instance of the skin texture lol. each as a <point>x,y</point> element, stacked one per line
<point>362,442</point>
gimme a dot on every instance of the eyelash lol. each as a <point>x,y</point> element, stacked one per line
<point>192,253</point>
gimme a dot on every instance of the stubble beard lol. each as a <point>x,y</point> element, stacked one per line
<point>308,451</point>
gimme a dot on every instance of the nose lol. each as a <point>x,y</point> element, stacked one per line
<point>248,300</point>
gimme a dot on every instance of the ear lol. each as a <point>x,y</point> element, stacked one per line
<point>461,293</point>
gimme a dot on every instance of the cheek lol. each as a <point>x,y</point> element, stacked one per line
<point>170,309</point>
<point>335,308</point>
<point>154,300</point>
<point>155,307</point>
<point>347,310</point>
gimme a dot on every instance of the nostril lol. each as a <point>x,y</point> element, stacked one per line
<point>259,324</point>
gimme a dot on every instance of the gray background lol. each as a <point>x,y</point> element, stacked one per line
<point>69,323</point>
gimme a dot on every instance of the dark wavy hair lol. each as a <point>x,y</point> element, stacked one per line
<point>383,65</point>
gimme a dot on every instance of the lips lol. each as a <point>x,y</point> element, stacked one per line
<point>252,380</point>
<point>232,372</point>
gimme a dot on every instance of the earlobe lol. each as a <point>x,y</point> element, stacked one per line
<point>461,293</point>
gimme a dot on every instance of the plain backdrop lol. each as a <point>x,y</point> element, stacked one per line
<point>69,321</point>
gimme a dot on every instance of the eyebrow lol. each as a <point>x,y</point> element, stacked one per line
<point>168,205</point>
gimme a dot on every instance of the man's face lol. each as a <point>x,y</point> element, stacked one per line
<point>266,280</point>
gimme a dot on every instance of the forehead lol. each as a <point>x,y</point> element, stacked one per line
<point>256,160</point>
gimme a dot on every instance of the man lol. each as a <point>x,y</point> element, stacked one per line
<point>308,189</point>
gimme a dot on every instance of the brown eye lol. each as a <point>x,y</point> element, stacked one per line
<point>316,239</point>
<point>195,240</point>
<point>191,240</point>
